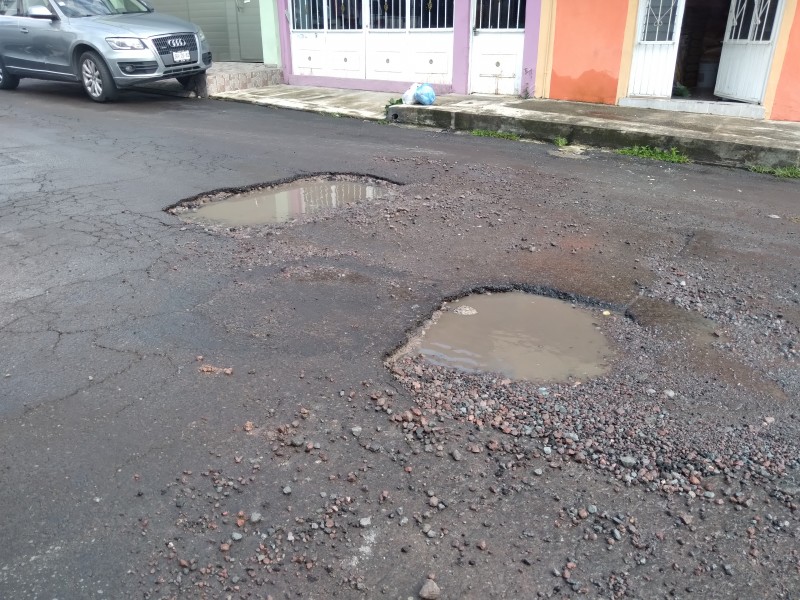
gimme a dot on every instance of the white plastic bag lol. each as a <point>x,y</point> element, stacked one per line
<point>408,95</point>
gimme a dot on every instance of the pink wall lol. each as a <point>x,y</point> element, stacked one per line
<point>530,50</point>
<point>284,33</point>
<point>462,24</point>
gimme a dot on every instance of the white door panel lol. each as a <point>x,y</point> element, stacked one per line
<point>747,49</point>
<point>308,53</point>
<point>656,49</point>
<point>498,40</point>
<point>345,54</point>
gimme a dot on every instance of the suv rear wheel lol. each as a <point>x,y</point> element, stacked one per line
<point>96,78</point>
<point>7,80</point>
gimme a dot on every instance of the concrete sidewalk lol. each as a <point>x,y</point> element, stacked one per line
<point>704,138</point>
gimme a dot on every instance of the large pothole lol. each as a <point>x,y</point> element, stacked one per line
<point>519,335</point>
<point>275,204</point>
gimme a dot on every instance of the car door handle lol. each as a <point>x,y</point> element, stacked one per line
<point>24,30</point>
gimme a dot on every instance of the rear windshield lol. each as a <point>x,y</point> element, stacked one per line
<point>95,8</point>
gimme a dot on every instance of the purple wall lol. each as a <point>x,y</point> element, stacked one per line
<point>286,44</point>
<point>530,49</point>
<point>462,26</point>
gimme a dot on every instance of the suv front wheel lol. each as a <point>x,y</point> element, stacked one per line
<point>7,80</point>
<point>96,78</point>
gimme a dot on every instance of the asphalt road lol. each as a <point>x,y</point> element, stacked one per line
<point>119,458</point>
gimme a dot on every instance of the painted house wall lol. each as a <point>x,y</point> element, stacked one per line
<point>587,50</point>
<point>786,106</point>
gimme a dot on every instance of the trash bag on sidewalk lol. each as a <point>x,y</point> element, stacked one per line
<point>408,95</point>
<point>425,94</point>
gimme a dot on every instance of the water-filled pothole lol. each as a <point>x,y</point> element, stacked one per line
<point>281,203</point>
<point>520,335</point>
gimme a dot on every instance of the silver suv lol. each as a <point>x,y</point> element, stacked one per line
<point>104,44</point>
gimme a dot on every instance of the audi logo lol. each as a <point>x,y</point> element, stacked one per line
<point>176,43</point>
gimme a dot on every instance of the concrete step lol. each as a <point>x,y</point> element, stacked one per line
<point>228,77</point>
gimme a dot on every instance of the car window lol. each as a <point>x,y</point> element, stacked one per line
<point>26,5</point>
<point>8,7</point>
<point>95,8</point>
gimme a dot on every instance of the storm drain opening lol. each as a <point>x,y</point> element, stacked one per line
<point>520,335</point>
<point>282,203</point>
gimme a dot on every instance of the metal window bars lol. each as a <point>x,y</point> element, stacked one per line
<point>344,15</point>
<point>659,21</point>
<point>432,14</point>
<point>500,14</point>
<point>388,14</point>
<point>308,14</point>
<point>753,20</point>
<point>766,12</point>
<point>742,19</point>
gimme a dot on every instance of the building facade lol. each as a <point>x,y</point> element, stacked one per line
<point>461,46</point>
<point>728,57</point>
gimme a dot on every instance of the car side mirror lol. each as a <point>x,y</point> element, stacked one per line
<point>40,12</point>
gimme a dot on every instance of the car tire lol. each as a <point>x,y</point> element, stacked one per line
<point>188,82</point>
<point>7,80</point>
<point>96,78</point>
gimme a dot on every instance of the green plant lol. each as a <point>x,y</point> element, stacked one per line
<point>786,172</point>
<point>560,141</point>
<point>394,101</point>
<point>495,134</point>
<point>673,155</point>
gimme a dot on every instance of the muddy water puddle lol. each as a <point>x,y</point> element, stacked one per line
<point>520,335</point>
<point>280,204</point>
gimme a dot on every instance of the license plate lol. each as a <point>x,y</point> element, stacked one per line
<point>181,56</point>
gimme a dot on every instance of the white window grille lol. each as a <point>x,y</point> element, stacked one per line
<point>659,21</point>
<point>347,15</point>
<point>500,14</point>
<point>432,14</point>
<point>308,14</point>
<point>344,14</point>
<point>765,20</point>
<point>326,14</point>
<point>753,20</point>
<point>742,19</point>
<point>388,14</point>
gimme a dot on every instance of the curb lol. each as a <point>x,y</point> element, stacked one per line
<point>706,150</point>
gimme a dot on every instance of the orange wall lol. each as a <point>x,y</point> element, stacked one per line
<point>587,50</point>
<point>787,97</point>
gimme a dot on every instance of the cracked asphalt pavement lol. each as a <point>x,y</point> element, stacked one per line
<point>197,412</point>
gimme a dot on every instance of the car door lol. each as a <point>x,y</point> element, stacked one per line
<point>42,40</point>
<point>11,40</point>
<point>56,40</point>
